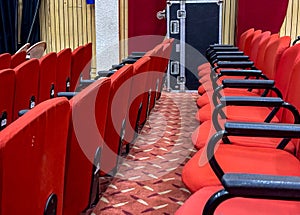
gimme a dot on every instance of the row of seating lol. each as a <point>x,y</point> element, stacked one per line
<point>248,140</point>
<point>52,157</point>
<point>29,82</point>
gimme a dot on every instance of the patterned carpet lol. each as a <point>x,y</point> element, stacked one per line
<point>149,178</point>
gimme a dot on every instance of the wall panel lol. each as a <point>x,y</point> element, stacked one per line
<point>67,24</point>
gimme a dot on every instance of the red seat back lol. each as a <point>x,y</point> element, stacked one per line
<point>77,66</point>
<point>262,49</point>
<point>243,38</point>
<point>87,127</point>
<point>47,76</point>
<point>248,42</point>
<point>117,111</point>
<point>257,40</point>
<point>17,59</point>
<point>7,90</point>
<point>63,70</point>
<point>273,54</point>
<point>5,61</point>
<point>86,73</point>
<point>26,88</point>
<point>32,154</point>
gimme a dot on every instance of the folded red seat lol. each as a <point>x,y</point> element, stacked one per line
<point>77,66</point>
<point>85,143</point>
<point>17,59</point>
<point>63,70</point>
<point>119,97</point>
<point>26,88</point>
<point>47,76</point>
<point>136,115</point>
<point>7,91</point>
<point>36,143</point>
<point>5,59</point>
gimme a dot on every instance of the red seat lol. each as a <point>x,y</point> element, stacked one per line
<point>272,58</point>
<point>5,61</point>
<point>116,117</point>
<point>85,142</point>
<point>77,66</point>
<point>137,106</point>
<point>36,143</point>
<point>233,158</point>
<point>236,206</point>
<point>7,90</point>
<point>282,80</point>
<point>63,70</point>
<point>26,90</point>
<point>47,76</point>
<point>17,59</point>
<point>86,73</point>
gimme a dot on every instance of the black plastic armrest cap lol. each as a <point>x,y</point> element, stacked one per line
<point>256,185</point>
<point>248,83</point>
<point>68,95</point>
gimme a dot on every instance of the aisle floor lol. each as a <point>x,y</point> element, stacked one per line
<point>149,178</point>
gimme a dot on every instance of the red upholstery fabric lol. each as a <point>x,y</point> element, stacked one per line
<point>5,61</point>
<point>63,69</point>
<point>236,206</point>
<point>137,96</point>
<point>77,66</point>
<point>7,90</point>
<point>88,60</point>
<point>86,133</point>
<point>259,14</point>
<point>259,64</point>
<point>27,79</point>
<point>17,59</point>
<point>248,42</point>
<point>37,142</point>
<point>117,111</point>
<point>237,113</point>
<point>205,131</point>
<point>256,44</point>
<point>197,173</point>
<point>47,76</point>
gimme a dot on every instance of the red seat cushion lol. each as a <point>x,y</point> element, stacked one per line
<point>197,172</point>
<point>238,113</point>
<point>63,70</point>
<point>204,132</point>
<point>236,206</point>
<point>36,142</point>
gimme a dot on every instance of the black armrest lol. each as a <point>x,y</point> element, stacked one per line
<point>220,45</point>
<point>128,61</point>
<point>240,72</point>
<point>232,58</point>
<point>253,129</point>
<point>138,53</point>
<point>22,112</point>
<point>117,66</point>
<point>105,73</point>
<point>251,101</point>
<point>68,95</point>
<point>248,83</point>
<point>239,64</point>
<point>262,186</point>
<point>225,48</point>
<point>134,57</point>
<point>229,53</point>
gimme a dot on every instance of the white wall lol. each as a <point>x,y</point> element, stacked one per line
<point>107,33</point>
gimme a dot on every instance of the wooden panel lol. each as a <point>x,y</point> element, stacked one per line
<point>68,24</point>
<point>228,23</point>
<point>290,26</point>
